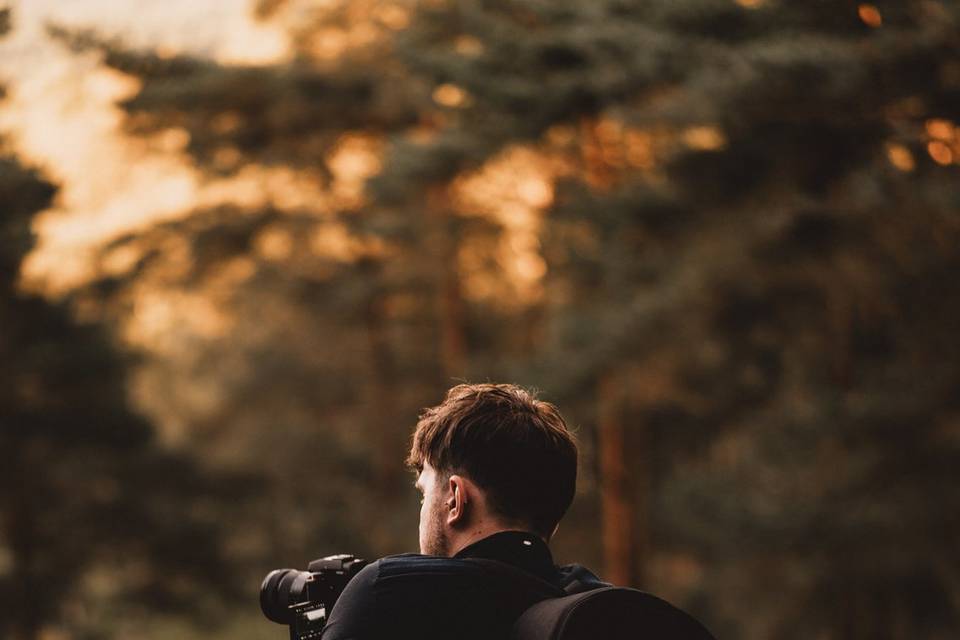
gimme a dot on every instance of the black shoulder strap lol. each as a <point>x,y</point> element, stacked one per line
<point>545,620</point>
<point>612,613</point>
<point>579,579</point>
<point>544,610</point>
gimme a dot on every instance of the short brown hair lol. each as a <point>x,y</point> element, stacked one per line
<point>515,447</point>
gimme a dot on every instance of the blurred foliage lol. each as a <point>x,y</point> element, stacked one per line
<point>93,513</point>
<point>87,496</point>
<point>725,232</point>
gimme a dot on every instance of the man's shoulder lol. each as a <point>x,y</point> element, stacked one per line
<point>417,568</point>
<point>573,577</point>
<point>413,595</point>
<point>418,565</point>
<point>396,596</point>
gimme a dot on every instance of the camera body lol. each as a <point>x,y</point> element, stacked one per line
<point>303,599</point>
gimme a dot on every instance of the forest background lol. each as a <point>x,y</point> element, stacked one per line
<point>243,244</point>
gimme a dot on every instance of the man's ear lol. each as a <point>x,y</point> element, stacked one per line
<point>458,500</point>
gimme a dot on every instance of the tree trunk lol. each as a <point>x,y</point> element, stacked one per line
<point>453,340</point>
<point>618,510</point>
<point>25,617</point>
<point>389,445</point>
<point>450,306</point>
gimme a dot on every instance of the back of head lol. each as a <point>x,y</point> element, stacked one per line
<point>516,448</point>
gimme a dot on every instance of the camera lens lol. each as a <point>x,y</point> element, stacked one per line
<point>280,589</point>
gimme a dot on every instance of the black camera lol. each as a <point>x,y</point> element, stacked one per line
<point>302,599</point>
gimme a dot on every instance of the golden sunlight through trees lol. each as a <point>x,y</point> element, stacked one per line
<point>704,138</point>
<point>62,112</point>
<point>940,152</point>
<point>900,157</point>
<point>944,144</point>
<point>870,15</point>
<point>512,189</point>
<point>450,95</point>
<point>355,158</point>
<point>244,243</point>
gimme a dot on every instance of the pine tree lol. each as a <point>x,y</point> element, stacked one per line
<point>84,489</point>
<point>750,243</point>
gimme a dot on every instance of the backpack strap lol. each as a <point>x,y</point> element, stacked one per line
<point>524,588</point>
<point>611,613</point>
<point>578,579</point>
<point>545,620</point>
<point>586,608</point>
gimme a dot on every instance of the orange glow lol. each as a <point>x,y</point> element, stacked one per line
<point>900,157</point>
<point>536,192</point>
<point>224,30</point>
<point>870,15</point>
<point>468,46</point>
<point>160,315</point>
<point>941,153</point>
<point>513,189</point>
<point>274,244</point>
<point>561,135</point>
<point>120,260</point>
<point>421,134</point>
<point>940,129</point>
<point>168,52</point>
<point>226,122</point>
<point>640,149</point>
<point>232,273</point>
<point>227,158</point>
<point>328,29</point>
<point>523,254</point>
<point>329,44</point>
<point>61,114</point>
<point>172,140</point>
<point>355,158</point>
<point>609,131</point>
<point>704,138</point>
<point>518,176</point>
<point>255,186</point>
<point>750,4</point>
<point>450,95</point>
<point>393,16</point>
<point>333,241</point>
<point>610,150</point>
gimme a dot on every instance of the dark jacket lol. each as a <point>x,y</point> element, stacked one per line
<point>431,598</point>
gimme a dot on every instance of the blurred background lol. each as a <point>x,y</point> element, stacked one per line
<point>243,243</point>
